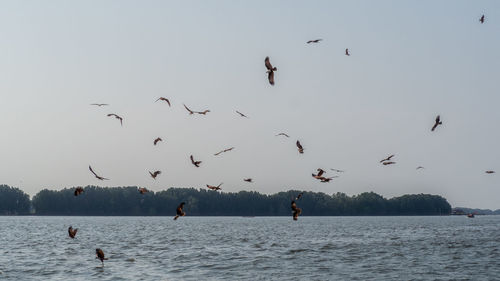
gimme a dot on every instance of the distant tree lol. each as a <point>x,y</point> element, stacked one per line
<point>13,201</point>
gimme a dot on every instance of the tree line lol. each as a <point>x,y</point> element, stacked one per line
<point>127,201</point>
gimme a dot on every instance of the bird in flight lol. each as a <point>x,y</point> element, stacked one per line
<point>72,232</point>
<point>347,52</point>
<point>319,175</point>
<point>323,179</point>
<point>241,114</point>
<point>117,117</point>
<point>189,110</point>
<point>387,159</point>
<point>98,177</point>
<point>225,150</point>
<point>155,174</point>
<point>179,211</point>
<point>270,71</point>
<point>314,41</point>
<point>196,163</point>
<point>143,190</point>
<point>300,148</point>
<point>99,104</point>
<point>490,172</point>
<point>335,170</point>
<point>482,19</point>
<point>100,255</point>
<point>164,99</point>
<point>283,134</point>
<point>204,112</point>
<point>213,187</point>
<point>78,191</point>
<point>248,180</point>
<point>156,141</point>
<point>437,122</point>
<point>389,163</point>
<point>420,167</point>
<point>296,211</point>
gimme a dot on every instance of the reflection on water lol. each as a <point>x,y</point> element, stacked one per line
<point>260,248</point>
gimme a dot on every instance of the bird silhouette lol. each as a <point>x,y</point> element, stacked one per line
<point>99,104</point>
<point>143,190</point>
<point>241,114</point>
<point>319,175</point>
<point>323,179</point>
<point>347,52</point>
<point>225,150</point>
<point>98,177</point>
<point>314,41</point>
<point>189,110</point>
<point>164,99</point>
<point>196,163</point>
<point>420,167</point>
<point>155,174</point>
<point>270,71</point>
<point>78,191</point>
<point>117,117</point>
<point>490,172</point>
<point>179,211</point>
<point>482,19</point>
<point>299,147</point>
<point>437,122</point>
<point>156,141</point>
<point>72,232</point>
<point>387,159</point>
<point>213,187</point>
<point>283,134</point>
<point>295,210</point>
<point>100,255</point>
<point>388,163</point>
<point>204,112</point>
<point>248,180</point>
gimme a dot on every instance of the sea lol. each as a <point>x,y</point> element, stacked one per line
<point>251,248</point>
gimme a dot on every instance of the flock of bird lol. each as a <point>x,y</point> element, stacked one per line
<point>296,211</point>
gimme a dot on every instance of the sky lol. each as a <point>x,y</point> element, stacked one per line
<point>410,61</point>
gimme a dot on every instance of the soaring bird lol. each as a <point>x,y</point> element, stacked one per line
<point>323,179</point>
<point>143,190</point>
<point>299,146</point>
<point>388,163</point>
<point>225,150</point>
<point>213,187</point>
<point>78,191</point>
<point>347,52</point>
<point>179,211</point>
<point>189,110</point>
<point>241,114</point>
<point>196,163</point>
<point>270,71</point>
<point>283,134</point>
<point>420,167</point>
<point>72,232</point>
<point>314,41</point>
<point>387,159</point>
<point>296,211</point>
<point>335,170</point>
<point>437,122</point>
<point>482,19</point>
<point>164,99</point>
<point>319,175</point>
<point>99,104</point>
<point>100,255</point>
<point>490,172</point>
<point>98,177</point>
<point>117,117</point>
<point>155,174</point>
<point>248,180</point>
<point>156,141</point>
<point>204,112</point>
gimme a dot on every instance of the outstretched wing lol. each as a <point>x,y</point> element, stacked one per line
<point>270,77</point>
<point>268,64</point>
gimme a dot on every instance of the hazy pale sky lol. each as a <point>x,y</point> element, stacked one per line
<point>410,60</point>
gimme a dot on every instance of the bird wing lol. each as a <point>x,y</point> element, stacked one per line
<point>190,111</point>
<point>320,172</point>
<point>192,159</point>
<point>90,168</point>
<point>268,64</point>
<point>270,77</point>
<point>299,145</point>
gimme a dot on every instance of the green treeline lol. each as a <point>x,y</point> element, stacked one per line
<point>127,201</point>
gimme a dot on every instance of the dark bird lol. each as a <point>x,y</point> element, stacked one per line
<point>164,99</point>
<point>387,159</point>
<point>117,117</point>
<point>482,19</point>
<point>270,71</point>
<point>241,114</point>
<point>248,180</point>
<point>314,41</point>
<point>323,179</point>
<point>490,172</point>
<point>143,190</point>
<point>213,187</point>
<point>388,163</point>
<point>420,167</point>
<point>319,175</point>
<point>100,255</point>
<point>437,122</point>
<point>155,174</point>
<point>189,110</point>
<point>335,170</point>
<point>156,141</point>
<point>299,146</point>
<point>347,52</point>
<point>225,150</point>
<point>98,177</point>
<point>99,104</point>
<point>179,212</point>
<point>196,163</point>
<point>296,211</point>
<point>204,112</point>
<point>72,232</point>
<point>78,191</point>
<point>283,134</point>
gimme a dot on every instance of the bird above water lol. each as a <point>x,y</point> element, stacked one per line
<point>100,255</point>
<point>72,232</point>
<point>296,211</point>
<point>179,211</point>
<point>98,177</point>
<point>164,99</point>
<point>270,71</point>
